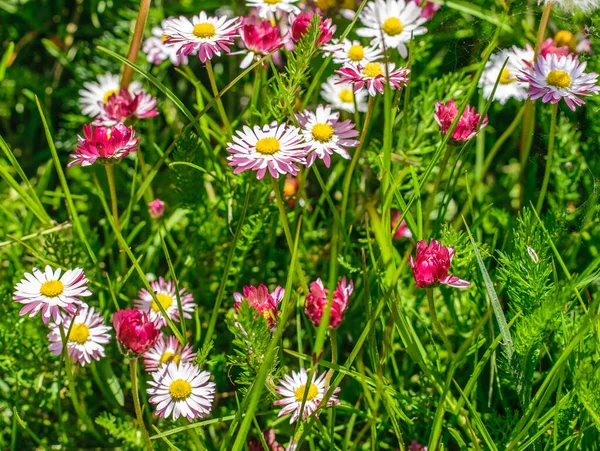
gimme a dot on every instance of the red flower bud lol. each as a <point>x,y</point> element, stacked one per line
<point>432,264</point>
<point>134,330</point>
<point>316,302</point>
<point>300,26</point>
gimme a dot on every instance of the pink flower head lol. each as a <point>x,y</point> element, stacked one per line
<point>402,230</point>
<point>123,106</point>
<point>468,123</point>
<point>259,39</point>
<point>316,302</point>
<point>301,22</point>
<point>373,76</point>
<point>255,444</point>
<point>166,352</point>
<point>261,300</point>
<point>549,47</point>
<point>429,10</point>
<point>156,208</point>
<point>157,51</point>
<point>134,330</point>
<point>432,264</point>
<point>105,144</point>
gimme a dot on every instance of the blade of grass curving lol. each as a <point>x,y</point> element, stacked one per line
<point>175,282</point>
<point>480,13</point>
<point>485,435</point>
<point>5,58</point>
<point>31,204</point>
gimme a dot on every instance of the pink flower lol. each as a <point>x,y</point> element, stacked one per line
<point>260,39</point>
<point>134,330</point>
<point>549,47</point>
<point>402,230</point>
<point>106,144</point>
<point>165,352</point>
<point>316,302</point>
<point>156,208</point>
<point>262,301</point>
<point>373,76</point>
<point>429,10</point>
<point>432,264</point>
<point>124,106</point>
<point>468,123</point>
<point>255,444</point>
<point>301,22</point>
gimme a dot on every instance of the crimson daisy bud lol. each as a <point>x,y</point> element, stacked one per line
<point>156,208</point>
<point>123,106</point>
<point>316,302</point>
<point>300,23</point>
<point>432,264</point>
<point>467,126</point>
<point>134,330</point>
<point>262,301</point>
<point>106,145</point>
<point>259,39</point>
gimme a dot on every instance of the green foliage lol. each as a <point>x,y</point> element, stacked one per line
<point>122,430</point>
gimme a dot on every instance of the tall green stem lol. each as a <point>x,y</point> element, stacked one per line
<point>215,90</point>
<point>110,175</point>
<point>436,185</point>
<point>540,202</point>
<point>436,322</point>
<point>136,402</point>
<point>136,41</point>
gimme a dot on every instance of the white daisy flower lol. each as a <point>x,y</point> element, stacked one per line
<point>157,51</point>
<point>96,94</point>
<point>292,389</point>
<point>324,134</point>
<point>269,9</point>
<point>390,24</point>
<point>167,351</point>
<point>353,52</point>
<point>277,148</point>
<point>50,293</point>
<point>587,6</point>
<point>166,295</point>
<point>181,390</point>
<point>341,95</point>
<point>508,86</point>
<point>86,338</point>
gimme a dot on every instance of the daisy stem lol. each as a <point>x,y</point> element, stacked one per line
<point>542,29</point>
<point>136,41</point>
<point>348,177</point>
<point>282,214</point>
<point>110,175</point>
<point>136,402</point>
<point>436,322</point>
<point>540,202</point>
<point>213,85</point>
<point>436,185</point>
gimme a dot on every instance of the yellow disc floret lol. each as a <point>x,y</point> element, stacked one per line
<point>322,132</point>
<point>373,70</point>
<point>356,53</point>
<point>506,78</point>
<point>272,2</point>
<point>346,96</point>
<point>565,37</point>
<point>52,288</point>
<point>559,79</point>
<point>204,30</point>
<point>180,389</point>
<point>164,299</point>
<point>268,146</point>
<point>110,93</point>
<point>392,26</point>
<point>313,391</point>
<point>79,333</point>
<point>168,357</point>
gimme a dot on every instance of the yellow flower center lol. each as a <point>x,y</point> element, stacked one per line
<point>268,146</point>
<point>558,79</point>
<point>565,37</point>
<point>165,38</point>
<point>324,5</point>
<point>346,96</point>
<point>313,391</point>
<point>373,70</point>
<point>52,288</point>
<point>164,299</point>
<point>322,132</point>
<point>180,389</point>
<point>110,93</point>
<point>272,2</point>
<point>79,333</point>
<point>168,357</point>
<point>356,52</point>
<point>392,26</point>
<point>204,30</point>
<point>505,78</point>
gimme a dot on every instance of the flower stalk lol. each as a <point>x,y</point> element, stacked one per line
<point>540,202</point>
<point>136,402</point>
<point>215,90</point>
<point>136,41</point>
<point>436,322</point>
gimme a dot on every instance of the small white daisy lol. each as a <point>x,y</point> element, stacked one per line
<point>50,293</point>
<point>390,24</point>
<point>352,52</point>
<point>570,6</point>
<point>341,95</point>
<point>508,86</point>
<point>157,51</point>
<point>292,389</point>
<point>166,295</point>
<point>96,94</point>
<point>86,338</point>
<point>269,9</point>
<point>181,390</point>
<point>325,134</point>
<point>167,351</point>
<point>275,147</point>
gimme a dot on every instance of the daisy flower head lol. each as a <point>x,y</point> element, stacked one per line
<point>293,387</point>
<point>106,145</point>
<point>134,330</point>
<point>553,78</point>
<point>391,23</point>
<point>260,39</point>
<point>429,10</point>
<point>316,302</point>
<point>86,339</point>
<point>468,124</point>
<point>96,93</point>
<point>431,266</point>
<point>340,95</point>
<point>508,85</point>
<point>373,76</point>
<point>353,52</point>
<point>181,390</point>
<point>325,134</point>
<point>157,51</point>
<point>570,6</point>
<point>167,296</point>
<point>124,106</point>
<point>269,9</point>
<point>166,352</point>
<point>156,208</point>
<point>203,34</point>
<point>50,292</point>
<point>299,26</point>
<point>274,147</point>
<point>261,300</point>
